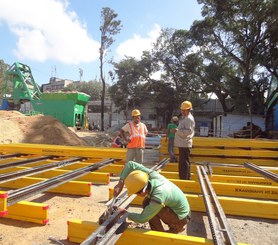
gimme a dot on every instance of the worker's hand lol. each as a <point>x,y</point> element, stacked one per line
<point>121,210</point>
<point>174,130</point>
<point>118,188</point>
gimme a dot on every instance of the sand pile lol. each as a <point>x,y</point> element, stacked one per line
<point>18,128</point>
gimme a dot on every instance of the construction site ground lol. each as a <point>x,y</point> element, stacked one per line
<point>39,129</point>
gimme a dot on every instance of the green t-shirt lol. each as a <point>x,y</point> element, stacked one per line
<point>170,128</point>
<point>163,192</point>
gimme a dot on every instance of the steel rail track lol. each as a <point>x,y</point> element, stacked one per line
<point>15,196</point>
<point>111,230</point>
<point>38,169</point>
<point>220,228</point>
<point>261,171</point>
<point>24,162</point>
<point>10,155</point>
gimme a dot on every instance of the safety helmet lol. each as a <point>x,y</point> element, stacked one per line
<point>186,105</point>
<point>136,181</point>
<point>175,118</point>
<point>135,113</point>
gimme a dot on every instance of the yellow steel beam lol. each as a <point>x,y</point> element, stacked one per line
<point>3,203</point>
<point>213,142</point>
<point>72,187</point>
<point>94,177</point>
<point>59,150</point>
<point>226,179</point>
<point>224,189</point>
<point>79,230</point>
<point>112,168</point>
<point>29,211</point>
<point>224,170</point>
<point>240,161</point>
<point>231,205</point>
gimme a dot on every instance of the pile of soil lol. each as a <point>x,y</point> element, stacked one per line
<point>15,127</point>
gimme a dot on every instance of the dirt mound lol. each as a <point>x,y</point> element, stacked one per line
<point>39,129</point>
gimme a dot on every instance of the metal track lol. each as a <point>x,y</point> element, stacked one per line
<point>39,169</point>
<point>15,196</point>
<point>24,162</point>
<point>10,155</point>
<point>261,171</point>
<point>220,228</point>
<point>111,230</point>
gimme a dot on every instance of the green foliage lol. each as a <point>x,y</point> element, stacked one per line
<point>3,69</point>
<point>92,88</point>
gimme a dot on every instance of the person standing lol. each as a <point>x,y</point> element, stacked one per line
<point>170,137</point>
<point>163,200</point>
<point>136,139</point>
<point>184,138</point>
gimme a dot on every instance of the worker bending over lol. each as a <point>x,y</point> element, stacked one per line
<point>164,201</point>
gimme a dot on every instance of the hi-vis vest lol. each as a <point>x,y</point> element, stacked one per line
<point>137,136</point>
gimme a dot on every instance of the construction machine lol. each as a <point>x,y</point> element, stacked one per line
<point>20,88</point>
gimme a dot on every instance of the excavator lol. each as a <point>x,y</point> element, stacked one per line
<point>21,88</point>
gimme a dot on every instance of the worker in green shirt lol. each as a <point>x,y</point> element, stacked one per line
<point>164,201</point>
<point>170,137</point>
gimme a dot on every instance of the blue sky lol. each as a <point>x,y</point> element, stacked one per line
<point>59,37</point>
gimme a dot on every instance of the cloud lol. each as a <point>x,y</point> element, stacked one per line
<point>135,46</point>
<point>47,30</point>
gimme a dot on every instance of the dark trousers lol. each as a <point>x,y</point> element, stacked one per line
<point>184,163</point>
<point>167,216</point>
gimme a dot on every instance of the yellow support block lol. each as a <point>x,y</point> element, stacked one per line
<point>79,230</point>
<point>239,171</point>
<point>114,169</point>
<point>29,211</point>
<point>231,205</point>
<point>3,203</point>
<point>212,142</point>
<point>94,177</point>
<point>71,187</point>
<point>60,150</point>
<point>226,179</point>
<point>224,189</point>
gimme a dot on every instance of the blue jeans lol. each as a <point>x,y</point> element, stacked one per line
<point>171,148</point>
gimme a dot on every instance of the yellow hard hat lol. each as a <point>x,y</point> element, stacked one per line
<point>135,113</point>
<point>186,105</point>
<point>136,181</point>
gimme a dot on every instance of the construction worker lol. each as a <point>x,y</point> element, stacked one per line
<point>164,201</point>
<point>170,136</point>
<point>136,138</point>
<point>183,139</point>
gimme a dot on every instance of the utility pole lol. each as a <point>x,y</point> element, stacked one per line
<point>80,74</point>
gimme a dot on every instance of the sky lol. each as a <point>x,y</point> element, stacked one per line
<point>61,38</point>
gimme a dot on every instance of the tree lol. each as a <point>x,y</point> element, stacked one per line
<point>3,69</point>
<point>110,26</point>
<point>235,29</point>
<point>92,88</point>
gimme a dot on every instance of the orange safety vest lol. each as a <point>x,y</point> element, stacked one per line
<point>137,136</point>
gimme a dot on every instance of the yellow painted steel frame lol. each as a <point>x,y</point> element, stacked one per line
<point>239,171</point>
<point>29,211</point>
<point>248,180</point>
<point>224,189</point>
<point>60,150</point>
<point>231,205</point>
<point>79,230</point>
<point>71,187</point>
<point>3,203</point>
